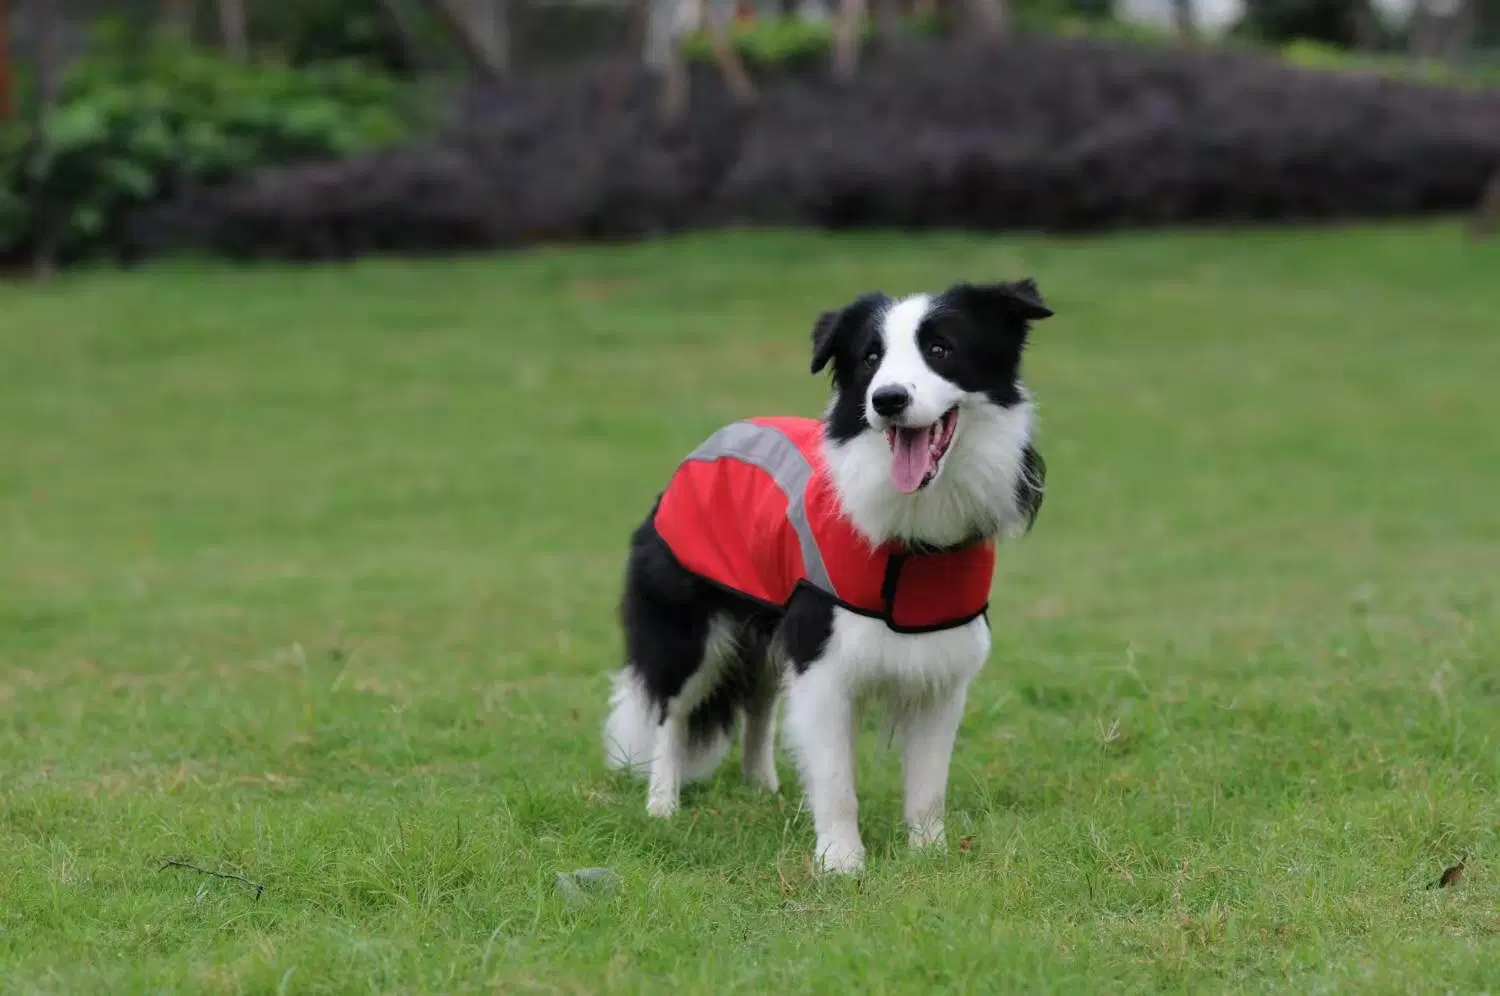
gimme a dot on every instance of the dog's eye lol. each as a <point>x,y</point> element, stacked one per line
<point>937,350</point>
<point>872,359</point>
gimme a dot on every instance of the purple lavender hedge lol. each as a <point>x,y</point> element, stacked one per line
<point>1045,134</point>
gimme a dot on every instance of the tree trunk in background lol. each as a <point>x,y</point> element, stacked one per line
<point>405,23</point>
<point>234,29</point>
<point>720,18</point>
<point>477,49</point>
<point>887,22</point>
<point>490,22</point>
<point>664,52</point>
<point>1366,27</point>
<point>848,22</point>
<point>7,89</point>
<point>178,17</point>
<point>985,19</point>
<point>1461,30</point>
<point>1183,20</point>
<point>632,54</point>
<point>46,24</point>
<point>1487,215</point>
<point>501,35</point>
<point>1441,29</point>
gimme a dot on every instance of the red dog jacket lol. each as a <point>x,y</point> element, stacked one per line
<point>752,510</point>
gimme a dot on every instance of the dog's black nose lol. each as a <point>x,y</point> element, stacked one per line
<point>890,400</point>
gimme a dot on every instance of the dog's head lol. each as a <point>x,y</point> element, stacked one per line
<point>920,384</point>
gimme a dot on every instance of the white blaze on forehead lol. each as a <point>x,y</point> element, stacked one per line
<point>903,318</point>
<point>903,364</point>
<point>898,330</point>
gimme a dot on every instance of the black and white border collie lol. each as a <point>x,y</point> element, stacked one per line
<point>927,444</point>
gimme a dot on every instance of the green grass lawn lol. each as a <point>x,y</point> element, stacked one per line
<point>309,575</point>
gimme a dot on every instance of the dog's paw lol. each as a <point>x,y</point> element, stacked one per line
<point>841,859</point>
<point>764,778</point>
<point>661,805</point>
<point>928,837</point>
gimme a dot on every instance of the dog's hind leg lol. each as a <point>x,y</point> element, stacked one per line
<point>692,735</point>
<point>760,735</point>
<point>674,708</point>
<point>631,733</point>
<point>667,761</point>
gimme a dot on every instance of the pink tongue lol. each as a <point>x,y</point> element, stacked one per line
<point>911,458</point>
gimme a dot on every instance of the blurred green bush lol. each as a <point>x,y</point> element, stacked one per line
<point>793,43</point>
<point>1318,55</point>
<point>790,43</point>
<point>139,120</point>
<point>784,43</point>
<point>308,32</point>
<point>1277,22</point>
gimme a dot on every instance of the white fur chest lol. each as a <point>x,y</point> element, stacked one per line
<point>873,659</point>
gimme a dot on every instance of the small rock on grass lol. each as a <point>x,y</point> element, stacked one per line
<point>583,884</point>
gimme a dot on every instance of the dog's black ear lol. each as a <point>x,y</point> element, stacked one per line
<point>1027,299</point>
<point>1020,299</point>
<point>832,327</point>
<point>825,338</point>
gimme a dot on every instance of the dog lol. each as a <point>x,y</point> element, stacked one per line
<point>837,561</point>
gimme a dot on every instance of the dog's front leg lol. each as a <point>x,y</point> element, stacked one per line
<point>819,725</point>
<point>931,729</point>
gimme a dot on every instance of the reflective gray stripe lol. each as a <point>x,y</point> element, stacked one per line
<point>770,450</point>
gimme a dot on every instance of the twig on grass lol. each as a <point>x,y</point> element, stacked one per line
<point>204,871</point>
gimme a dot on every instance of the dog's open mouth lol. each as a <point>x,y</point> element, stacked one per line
<point>916,454</point>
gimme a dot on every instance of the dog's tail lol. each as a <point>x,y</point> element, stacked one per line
<point>630,734</point>
<point>630,730</point>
